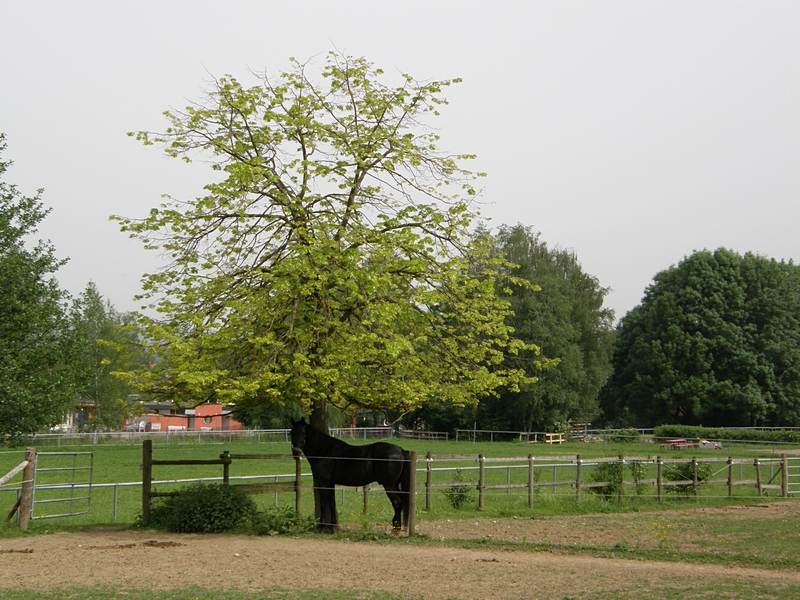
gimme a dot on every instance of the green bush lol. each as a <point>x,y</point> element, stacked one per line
<point>458,495</point>
<point>610,473</point>
<point>741,435</point>
<point>683,472</point>
<point>204,508</point>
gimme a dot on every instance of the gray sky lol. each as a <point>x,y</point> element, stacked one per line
<point>632,132</point>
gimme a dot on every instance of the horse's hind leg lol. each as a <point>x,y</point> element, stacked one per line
<point>395,497</point>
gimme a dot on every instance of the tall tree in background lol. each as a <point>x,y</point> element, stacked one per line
<point>37,350</point>
<point>329,265</point>
<point>108,344</point>
<point>562,309</point>
<point>558,305</point>
<point>716,341</point>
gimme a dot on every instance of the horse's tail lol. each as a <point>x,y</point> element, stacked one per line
<point>405,485</point>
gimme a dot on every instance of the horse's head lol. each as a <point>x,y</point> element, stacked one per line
<point>299,429</point>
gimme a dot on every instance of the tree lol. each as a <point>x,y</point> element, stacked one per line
<point>37,370</point>
<point>716,341</point>
<point>331,264</point>
<point>108,343</point>
<point>555,303</point>
<point>562,309</point>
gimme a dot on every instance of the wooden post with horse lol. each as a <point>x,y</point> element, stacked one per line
<point>334,462</point>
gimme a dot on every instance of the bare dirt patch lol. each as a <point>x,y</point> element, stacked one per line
<point>155,560</point>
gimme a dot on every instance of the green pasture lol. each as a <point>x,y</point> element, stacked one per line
<point>454,466</point>
<point>648,530</point>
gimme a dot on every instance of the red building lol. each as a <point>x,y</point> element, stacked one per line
<point>167,417</point>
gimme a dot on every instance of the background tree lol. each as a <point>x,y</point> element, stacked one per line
<point>557,304</point>
<point>38,366</point>
<point>108,343</point>
<point>330,264</point>
<point>716,341</point>
<point>563,311</point>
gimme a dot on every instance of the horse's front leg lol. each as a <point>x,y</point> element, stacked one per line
<point>327,513</point>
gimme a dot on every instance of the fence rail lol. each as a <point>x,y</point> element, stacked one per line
<point>531,475</point>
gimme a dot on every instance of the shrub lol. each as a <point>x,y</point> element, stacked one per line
<point>204,508</point>
<point>611,473</point>
<point>742,435</point>
<point>684,471</point>
<point>458,494</point>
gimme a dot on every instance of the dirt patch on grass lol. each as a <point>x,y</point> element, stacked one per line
<point>154,560</point>
<point>648,530</point>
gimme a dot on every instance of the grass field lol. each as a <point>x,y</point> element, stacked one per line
<point>117,478</point>
<point>648,530</point>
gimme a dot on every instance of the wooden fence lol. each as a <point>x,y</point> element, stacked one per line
<point>226,458</point>
<point>579,482</point>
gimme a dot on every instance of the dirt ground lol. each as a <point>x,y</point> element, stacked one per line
<point>157,560</point>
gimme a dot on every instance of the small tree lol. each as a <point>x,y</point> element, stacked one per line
<point>108,343</point>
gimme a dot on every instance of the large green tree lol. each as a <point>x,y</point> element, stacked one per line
<point>37,350</point>
<point>558,305</point>
<point>330,264</point>
<point>108,342</point>
<point>716,341</point>
<point>562,309</point>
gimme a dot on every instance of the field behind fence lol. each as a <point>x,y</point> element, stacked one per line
<point>503,482</point>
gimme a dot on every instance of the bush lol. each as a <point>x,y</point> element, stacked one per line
<point>204,508</point>
<point>611,473</point>
<point>458,495</point>
<point>685,471</point>
<point>742,435</point>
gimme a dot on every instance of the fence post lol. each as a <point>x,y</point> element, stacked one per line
<point>298,481</point>
<point>428,482</point>
<point>730,477</point>
<point>660,478</point>
<point>26,497</point>
<point>621,477</point>
<point>694,477</point>
<point>147,478</point>
<point>480,481</point>
<point>226,467</point>
<point>784,477</point>
<point>366,499</point>
<point>758,476</point>
<point>530,480</point>
<point>578,478</point>
<point>412,491</point>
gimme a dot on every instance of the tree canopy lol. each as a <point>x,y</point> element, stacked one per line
<point>37,370</point>
<point>715,341</point>
<point>560,307</point>
<point>107,343</point>
<point>330,263</point>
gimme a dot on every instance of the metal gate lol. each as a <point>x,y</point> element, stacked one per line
<point>62,484</point>
<point>793,475</point>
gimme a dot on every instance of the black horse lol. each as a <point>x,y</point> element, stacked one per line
<point>336,462</point>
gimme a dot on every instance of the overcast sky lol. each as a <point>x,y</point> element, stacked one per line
<point>631,132</point>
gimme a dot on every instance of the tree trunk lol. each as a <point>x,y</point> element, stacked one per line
<point>319,416</point>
